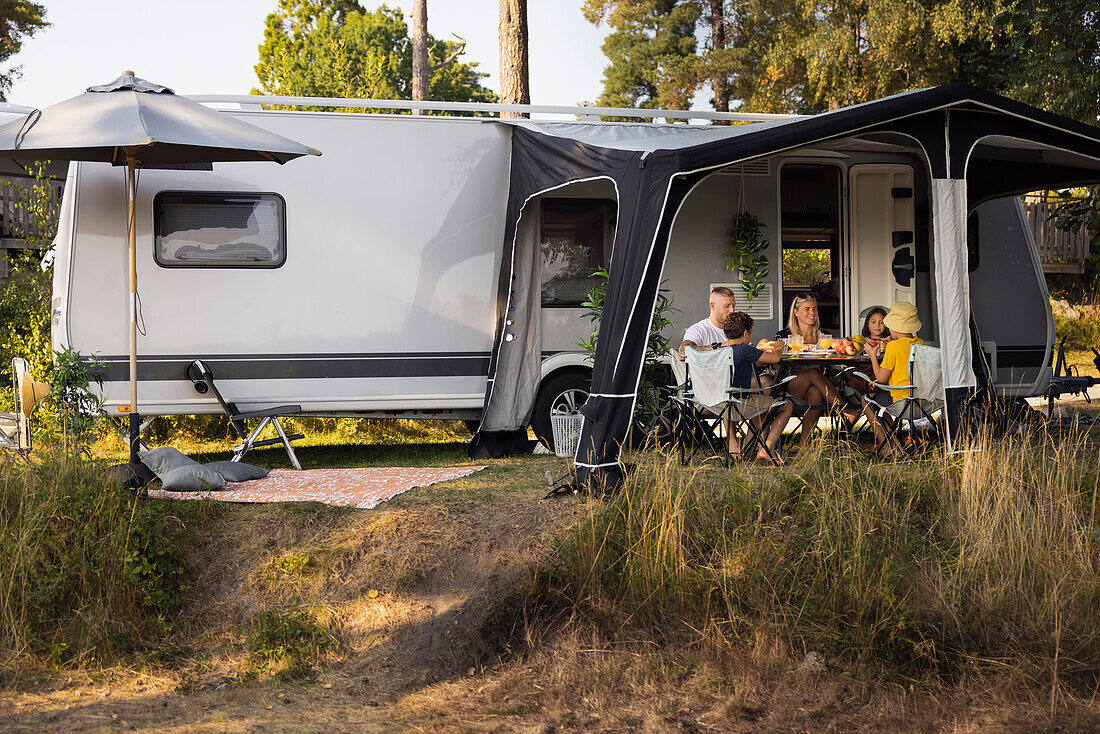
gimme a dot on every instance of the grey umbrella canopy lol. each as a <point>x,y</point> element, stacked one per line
<point>132,114</point>
<point>133,122</point>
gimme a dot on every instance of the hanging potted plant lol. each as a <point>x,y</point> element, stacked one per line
<point>744,255</point>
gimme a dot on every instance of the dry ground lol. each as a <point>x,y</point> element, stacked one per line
<point>419,595</point>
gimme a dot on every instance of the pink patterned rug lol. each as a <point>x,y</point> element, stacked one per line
<point>360,488</point>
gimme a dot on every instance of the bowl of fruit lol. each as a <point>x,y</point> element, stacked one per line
<point>845,347</point>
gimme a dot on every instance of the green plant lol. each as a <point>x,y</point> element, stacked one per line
<point>657,345</point>
<point>25,292</point>
<point>743,255</point>
<point>77,407</point>
<point>287,642</point>
<point>90,571</point>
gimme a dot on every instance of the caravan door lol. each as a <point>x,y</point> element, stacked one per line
<point>881,252</point>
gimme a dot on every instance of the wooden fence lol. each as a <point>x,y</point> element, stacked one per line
<point>16,220</point>
<point>1059,251</point>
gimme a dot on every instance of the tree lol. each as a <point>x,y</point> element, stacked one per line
<point>812,55</point>
<point>335,48</point>
<point>419,36</point>
<point>515,87</point>
<point>651,48</point>
<point>19,20</point>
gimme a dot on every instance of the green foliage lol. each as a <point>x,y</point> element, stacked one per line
<point>76,407</point>
<point>808,56</point>
<point>287,642</point>
<point>1082,332</point>
<point>25,293</point>
<point>90,570</point>
<point>648,40</point>
<point>19,20</point>
<point>654,372</point>
<point>335,48</point>
<point>806,267</point>
<point>743,256</point>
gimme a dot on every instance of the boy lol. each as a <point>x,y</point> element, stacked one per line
<point>738,331</point>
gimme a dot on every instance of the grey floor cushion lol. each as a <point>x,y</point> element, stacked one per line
<point>164,459</point>
<point>197,478</point>
<point>235,471</point>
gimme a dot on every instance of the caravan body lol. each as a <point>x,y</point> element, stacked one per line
<point>366,282</point>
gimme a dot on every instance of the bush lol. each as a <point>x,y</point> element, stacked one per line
<point>940,565</point>
<point>287,642</point>
<point>1082,332</point>
<point>89,571</point>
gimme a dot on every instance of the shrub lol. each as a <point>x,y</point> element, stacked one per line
<point>89,571</point>
<point>1082,332</point>
<point>287,642</point>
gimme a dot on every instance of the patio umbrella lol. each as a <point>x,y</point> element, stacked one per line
<point>132,122</point>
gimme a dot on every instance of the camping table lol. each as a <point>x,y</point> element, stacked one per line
<point>822,360</point>
<point>789,360</point>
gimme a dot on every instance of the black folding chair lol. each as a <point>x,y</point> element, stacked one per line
<point>741,407</point>
<point>691,429</point>
<point>921,401</point>
<point>202,377</point>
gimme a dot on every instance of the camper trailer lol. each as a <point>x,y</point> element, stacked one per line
<point>380,279</point>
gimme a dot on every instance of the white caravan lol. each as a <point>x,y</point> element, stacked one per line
<point>365,282</point>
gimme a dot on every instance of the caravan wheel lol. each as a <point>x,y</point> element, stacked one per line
<point>561,395</point>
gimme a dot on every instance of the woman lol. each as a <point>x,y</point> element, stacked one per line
<point>810,384</point>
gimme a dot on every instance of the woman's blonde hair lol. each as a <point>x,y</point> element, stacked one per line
<point>792,322</point>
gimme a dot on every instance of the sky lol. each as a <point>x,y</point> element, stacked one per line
<point>210,46</point>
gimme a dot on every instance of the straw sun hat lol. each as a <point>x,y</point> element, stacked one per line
<point>903,318</point>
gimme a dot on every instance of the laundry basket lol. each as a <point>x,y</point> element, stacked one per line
<point>567,434</point>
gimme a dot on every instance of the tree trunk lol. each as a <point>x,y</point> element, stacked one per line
<point>718,42</point>
<point>419,37</point>
<point>514,84</point>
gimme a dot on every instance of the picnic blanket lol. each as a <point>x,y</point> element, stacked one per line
<point>361,488</point>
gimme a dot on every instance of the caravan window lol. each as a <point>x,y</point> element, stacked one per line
<point>219,230</point>
<point>575,243</point>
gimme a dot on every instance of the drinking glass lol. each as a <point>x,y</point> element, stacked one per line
<point>795,342</point>
<point>825,340</point>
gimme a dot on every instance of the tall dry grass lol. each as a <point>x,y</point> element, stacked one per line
<point>951,563</point>
<point>88,571</point>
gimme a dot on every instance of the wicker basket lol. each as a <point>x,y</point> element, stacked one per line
<point>567,434</point>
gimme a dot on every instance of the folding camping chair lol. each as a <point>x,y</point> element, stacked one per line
<point>925,396</point>
<point>690,427</point>
<point>710,376</point>
<point>15,428</point>
<point>202,377</point>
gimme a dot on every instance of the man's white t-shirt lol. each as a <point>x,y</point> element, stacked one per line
<point>704,333</point>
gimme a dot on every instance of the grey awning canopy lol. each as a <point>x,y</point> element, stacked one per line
<point>977,146</point>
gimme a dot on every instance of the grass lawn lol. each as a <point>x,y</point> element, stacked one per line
<point>947,593</point>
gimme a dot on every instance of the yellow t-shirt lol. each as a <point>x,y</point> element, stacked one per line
<point>896,360</point>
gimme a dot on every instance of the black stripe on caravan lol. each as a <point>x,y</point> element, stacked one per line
<point>301,366</point>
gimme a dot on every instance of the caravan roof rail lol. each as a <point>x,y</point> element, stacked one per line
<point>253,101</point>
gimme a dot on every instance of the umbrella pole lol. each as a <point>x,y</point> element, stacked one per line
<point>135,419</point>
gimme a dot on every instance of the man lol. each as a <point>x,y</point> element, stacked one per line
<point>710,330</point>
